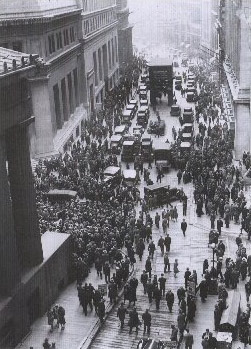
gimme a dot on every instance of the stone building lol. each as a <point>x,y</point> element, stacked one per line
<point>125,47</point>
<point>100,48</point>
<point>235,53</point>
<point>53,31</point>
<point>27,286</point>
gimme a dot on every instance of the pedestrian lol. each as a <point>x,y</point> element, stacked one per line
<point>157,296</point>
<point>185,205</point>
<point>148,266</point>
<point>149,290</point>
<point>157,219</point>
<point>50,318</point>
<point>175,267</point>
<point>174,334</point>
<point>170,300</point>
<point>107,272</point>
<point>161,245</point>
<point>183,227</point>
<point>219,225</point>
<point>167,242</point>
<point>151,249</point>
<point>147,318</point>
<point>179,176</point>
<point>101,310</point>
<point>46,344</point>
<point>61,317</point>
<point>188,339</point>
<point>162,284</point>
<point>186,276</point>
<point>134,320</point>
<point>121,313</point>
<point>166,263</point>
<point>144,279</point>
<point>181,322</point>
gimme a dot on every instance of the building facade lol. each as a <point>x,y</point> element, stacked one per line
<point>53,32</point>
<point>27,286</point>
<point>235,56</point>
<point>100,49</point>
<point>125,47</point>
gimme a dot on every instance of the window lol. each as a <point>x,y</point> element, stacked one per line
<point>66,37</point>
<point>100,65</point>
<point>109,54</point>
<point>95,68</point>
<point>116,49</point>
<point>59,40</point>
<point>75,78</point>
<point>51,40</point>
<point>112,53</point>
<point>57,106</point>
<point>64,99</point>
<point>72,34</point>
<point>69,79</point>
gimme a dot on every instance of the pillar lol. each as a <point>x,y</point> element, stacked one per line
<point>23,197</point>
<point>242,131</point>
<point>9,264</point>
<point>43,117</point>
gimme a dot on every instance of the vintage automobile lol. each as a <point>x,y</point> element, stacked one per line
<point>142,88</point>
<point>129,177</point>
<point>143,116</point>
<point>135,139</point>
<point>144,78</point>
<point>178,78</point>
<point>187,117</point>
<point>188,110</point>
<point>191,76</point>
<point>187,128</point>
<point>190,84</point>
<point>175,110</point>
<point>56,195</point>
<point>162,155</point>
<point>191,89</point>
<point>116,144</point>
<point>157,127</point>
<point>134,102</point>
<point>112,175</point>
<point>133,108</point>
<point>137,131</point>
<point>142,95</point>
<point>186,137</point>
<point>185,146</point>
<point>190,97</point>
<point>128,151</point>
<point>126,117</point>
<point>146,147</point>
<point>178,85</point>
<point>163,192</point>
<point>144,103</point>
<point>120,130</point>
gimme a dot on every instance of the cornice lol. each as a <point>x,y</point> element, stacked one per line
<point>97,33</point>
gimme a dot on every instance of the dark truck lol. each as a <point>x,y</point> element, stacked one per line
<point>162,155</point>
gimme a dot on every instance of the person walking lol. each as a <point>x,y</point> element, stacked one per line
<point>170,300</point>
<point>121,313</point>
<point>162,284</point>
<point>175,268</point>
<point>147,318</point>
<point>183,227</point>
<point>157,296</point>
<point>61,317</point>
<point>143,280</point>
<point>174,334</point>
<point>134,320</point>
<point>188,339</point>
<point>167,242</point>
<point>166,263</point>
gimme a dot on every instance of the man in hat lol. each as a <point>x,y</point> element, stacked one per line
<point>121,314</point>
<point>146,317</point>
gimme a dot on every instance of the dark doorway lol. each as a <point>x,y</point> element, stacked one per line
<point>33,305</point>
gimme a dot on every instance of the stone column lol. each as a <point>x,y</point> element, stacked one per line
<point>9,264</point>
<point>43,117</point>
<point>242,132</point>
<point>23,197</point>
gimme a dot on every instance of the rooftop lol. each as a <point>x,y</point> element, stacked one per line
<point>12,60</point>
<point>160,61</point>
<point>26,9</point>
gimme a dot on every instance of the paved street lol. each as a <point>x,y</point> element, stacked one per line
<point>190,252</point>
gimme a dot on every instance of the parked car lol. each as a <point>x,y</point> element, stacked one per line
<point>144,103</point>
<point>187,118</point>
<point>190,97</point>
<point>127,116</point>
<point>175,110</point>
<point>178,85</point>
<point>112,175</point>
<point>129,177</point>
<point>120,130</point>
<point>128,151</point>
<point>157,127</point>
<point>116,144</point>
<point>143,116</point>
<point>133,108</point>
<point>162,155</point>
<point>187,128</point>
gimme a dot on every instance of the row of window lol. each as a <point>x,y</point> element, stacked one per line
<point>98,21</point>
<point>56,42</point>
<point>100,61</point>
<point>66,105</point>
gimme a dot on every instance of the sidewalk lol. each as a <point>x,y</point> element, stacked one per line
<point>78,326</point>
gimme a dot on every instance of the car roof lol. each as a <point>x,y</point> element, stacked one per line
<point>130,106</point>
<point>128,142</point>
<point>127,112</point>
<point>116,138</point>
<point>119,128</point>
<point>112,170</point>
<point>133,101</point>
<point>144,101</point>
<point>129,173</point>
<point>143,108</point>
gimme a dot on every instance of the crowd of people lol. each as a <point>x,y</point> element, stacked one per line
<point>107,232</point>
